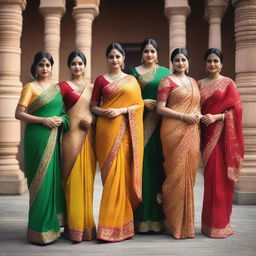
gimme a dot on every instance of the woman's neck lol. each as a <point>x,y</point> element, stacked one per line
<point>180,74</point>
<point>115,71</point>
<point>149,65</point>
<point>77,78</point>
<point>213,76</point>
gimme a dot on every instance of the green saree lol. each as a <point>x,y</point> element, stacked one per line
<point>149,215</point>
<point>42,168</point>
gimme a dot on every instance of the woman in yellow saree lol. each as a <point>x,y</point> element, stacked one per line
<point>78,163</point>
<point>118,104</point>
<point>42,108</point>
<point>179,103</point>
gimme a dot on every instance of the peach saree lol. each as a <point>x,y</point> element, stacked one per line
<point>180,142</point>
<point>119,150</point>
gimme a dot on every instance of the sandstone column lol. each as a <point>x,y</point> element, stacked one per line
<point>177,12</point>
<point>52,12</point>
<point>84,13</point>
<point>245,37</point>
<point>214,11</point>
<point>12,180</point>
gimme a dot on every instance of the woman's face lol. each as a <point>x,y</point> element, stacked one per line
<point>180,63</point>
<point>213,64</point>
<point>115,59</point>
<point>149,54</point>
<point>43,68</point>
<point>77,67</point>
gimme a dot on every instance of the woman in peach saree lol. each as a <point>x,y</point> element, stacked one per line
<point>179,104</point>
<point>79,163</point>
<point>118,104</point>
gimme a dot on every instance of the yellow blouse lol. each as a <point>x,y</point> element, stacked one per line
<point>29,93</point>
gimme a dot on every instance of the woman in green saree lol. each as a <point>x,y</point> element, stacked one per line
<point>149,215</point>
<point>41,107</point>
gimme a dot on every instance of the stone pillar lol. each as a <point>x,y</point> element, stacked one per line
<point>52,12</point>
<point>84,13</point>
<point>12,180</point>
<point>214,11</point>
<point>177,12</point>
<point>245,37</point>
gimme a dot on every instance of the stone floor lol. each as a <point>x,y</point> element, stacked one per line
<point>13,220</point>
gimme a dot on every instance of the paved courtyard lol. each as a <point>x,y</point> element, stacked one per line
<point>13,221</point>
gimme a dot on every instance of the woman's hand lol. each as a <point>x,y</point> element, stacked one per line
<point>209,118</point>
<point>192,118</point>
<point>150,104</point>
<point>84,124</point>
<point>112,112</point>
<point>52,122</point>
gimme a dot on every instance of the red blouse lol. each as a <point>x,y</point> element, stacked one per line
<point>70,97</point>
<point>100,90</point>
<point>165,87</point>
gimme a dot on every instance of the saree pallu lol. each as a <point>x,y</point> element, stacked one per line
<point>78,167</point>
<point>149,214</point>
<point>42,167</point>
<point>119,150</point>
<point>222,151</point>
<point>180,142</point>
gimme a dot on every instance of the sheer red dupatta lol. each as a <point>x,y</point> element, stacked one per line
<point>223,97</point>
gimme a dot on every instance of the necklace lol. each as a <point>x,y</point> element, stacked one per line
<point>80,86</point>
<point>114,78</point>
<point>182,81</point>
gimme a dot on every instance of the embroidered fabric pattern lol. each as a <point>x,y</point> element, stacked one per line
<point>113,152</point>
<point>77,235</point>
<point>220,85</point>
<point>42,237</point>
<point>217,232</point>
<point>44,98</point>
<point>150,123</point>
<point>42,167</point>
<point>116,234</point>
<point>149,226</point>
<point>213,141</point>
<point>147,77</point>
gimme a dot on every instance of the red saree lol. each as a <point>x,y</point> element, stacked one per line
<point>222,151</point>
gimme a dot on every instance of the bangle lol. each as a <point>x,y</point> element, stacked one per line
<point>183,117</point>
<point>223,117</point>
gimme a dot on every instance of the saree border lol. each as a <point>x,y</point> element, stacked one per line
<point>145,226</point>
<point>42,237</point>
<point>213,141</point>
<point>113,234</point>
<point>150,123</point>
<point>145,78</point>
<point>135,148</point>
<point>42,167</point>
<point>217,232</point>
<point>44,98</point>
<point>113,152</point>
<point>78,235</point>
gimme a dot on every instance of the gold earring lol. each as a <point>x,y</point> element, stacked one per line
<point>141,61</point>
<point>156,61</point>
<point>122,66</point>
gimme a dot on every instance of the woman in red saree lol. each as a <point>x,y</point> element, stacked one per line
<point>78,163</point>
<point>179,104</point>
<point>222,145</point>
<point>118,104</point>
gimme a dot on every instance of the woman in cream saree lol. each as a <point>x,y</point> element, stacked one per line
<point>78,163</point>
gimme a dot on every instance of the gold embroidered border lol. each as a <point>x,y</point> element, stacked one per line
<point>113,152</point>
<point>147,77</point>
<point>150,123</point>
<point>42,237</point>
<point>44,98</point>
<point>78,235</point>
<point>135,140</point>
<point>149,225</point>
<point>113,234</point>
<point>208,91</point>
<point>42,167</point>
<point>213,141</point>
<point>217,232</point>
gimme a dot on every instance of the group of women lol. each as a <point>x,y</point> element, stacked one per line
<point>143,130</point>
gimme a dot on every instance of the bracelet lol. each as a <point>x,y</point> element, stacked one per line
<point>183,117</point>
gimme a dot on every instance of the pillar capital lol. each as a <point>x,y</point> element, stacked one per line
<point>22,3</point>
<point>177,7</point>
<point>56,7</point>
<point>215,9</point>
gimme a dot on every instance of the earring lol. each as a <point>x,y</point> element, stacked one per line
<point>187,70</point>
<point>156,61</point>
<point>36,75</point>
<point>141,61</point>
<point>122,66</point>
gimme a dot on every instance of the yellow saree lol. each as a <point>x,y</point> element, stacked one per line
<point>78,167</point>
<point>180,142</point>
<point>119,150</point>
